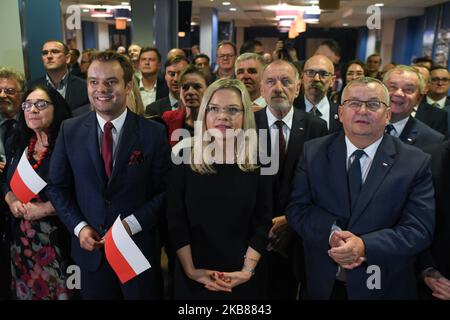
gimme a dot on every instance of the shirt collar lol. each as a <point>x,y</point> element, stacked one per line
<point>321,106</point>
<point>117,122</point>
<point>400,125</point>
<point>440,102</point>
<point>287,119</point>
<point>172,100</point>
<point>62,83</point>
<point>369,150</point>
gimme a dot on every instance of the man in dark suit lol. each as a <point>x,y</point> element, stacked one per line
<point>150,86</point>
<point>55,58</point>
<point>89,193</point>
<point>434,263</point>
<point>174,66</point>
<point>318,76</point>
<point>405,85</point>
<point>280,85</point>
<point>12,85</point>
<point>362,203</point>
<point>439,86</point>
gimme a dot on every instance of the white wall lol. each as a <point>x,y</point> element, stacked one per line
<point>387,40</point>
<point>102,36</point>
<point>11,53</point>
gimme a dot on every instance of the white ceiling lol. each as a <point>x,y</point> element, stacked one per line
<point>254,12</point>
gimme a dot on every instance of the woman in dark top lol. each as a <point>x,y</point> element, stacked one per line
<point>39,242</point>
<point>219,207</point>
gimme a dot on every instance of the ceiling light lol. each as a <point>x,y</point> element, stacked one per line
<point>226,3</point>
<point>345,24</point>
<point>379,4</point>
<point>125,3</point>
<point>233,9</point>
<point>101,13</point>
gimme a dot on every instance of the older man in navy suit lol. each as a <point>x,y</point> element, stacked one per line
<point>108,163</point>
<point>363,204</point>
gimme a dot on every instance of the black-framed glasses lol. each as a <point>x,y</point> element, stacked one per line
<point>195,86</point>
<point>231,111</point>
<point>39,104</point>
<point>371,105</point>
<point>310,73</point>
<point>437,80</point>
<point>8,91</point>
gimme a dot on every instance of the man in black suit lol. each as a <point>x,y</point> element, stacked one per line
<point>405,85</point>
<point>174,66</point>
<point>280,85</point>
<point>439,86</point>
<point>434,263</point>
<point>55,58</point>
<point>318,76</point>
<point>151,87</point>
<point>12,85</point>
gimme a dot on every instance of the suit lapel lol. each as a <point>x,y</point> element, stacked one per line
<point>263,124</point>
<point>296,139</point>
<point>93,146</point>
<point>126,143</point>
<point>337,156</point>
<point>382,163</point>
<point>409,133</point>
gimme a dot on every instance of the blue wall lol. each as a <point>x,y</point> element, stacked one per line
<point>88,30</point>
<point>42,21</point>
<point>407,40</point>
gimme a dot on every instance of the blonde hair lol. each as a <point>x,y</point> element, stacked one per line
<point>134,100</point>
<point>245,152</point>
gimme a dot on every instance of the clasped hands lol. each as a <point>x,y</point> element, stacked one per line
<point>219,281</point>
<point>30,211</point>
<point>347,249</point>
<point>90,240</point>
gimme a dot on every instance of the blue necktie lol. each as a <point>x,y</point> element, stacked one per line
<point>390,129</point>
<point>354,176</point>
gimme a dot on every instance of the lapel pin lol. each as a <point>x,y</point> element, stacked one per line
<point>385,164</point>
<point>301,129</point>
<point>409,140</point>
<point>336,117</point>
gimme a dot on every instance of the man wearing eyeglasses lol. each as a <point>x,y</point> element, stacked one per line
<point>439,86</point>
<point>406,86</point>
<point>12,84</point>
<point>226,57</point>
<point>55,58</point>
<point>363,204</point>
<point>317,77</point>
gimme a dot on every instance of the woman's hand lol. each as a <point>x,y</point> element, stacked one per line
<point>208,278</point>
<point>37,210</point>
<point>16,206</point>
<point>229,280</point>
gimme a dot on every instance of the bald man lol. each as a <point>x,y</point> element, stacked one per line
<point>317,77</point>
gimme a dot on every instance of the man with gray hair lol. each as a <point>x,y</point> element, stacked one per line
<point>248,68</point>
<point>406,86</point>
<point>360,241</point>
<point>12,85</point>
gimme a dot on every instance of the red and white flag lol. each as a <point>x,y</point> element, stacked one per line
<point>123,254</point>
<point>26,183</point>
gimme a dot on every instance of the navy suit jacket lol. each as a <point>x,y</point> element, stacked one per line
<point>158,107</point>
<point>420,135</point>
<point>76,91</point>
<point>80,190</point>
<point>433,117</point>
<point>334,122</point>
<point>394,215</point>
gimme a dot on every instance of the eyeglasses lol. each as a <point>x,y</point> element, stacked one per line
<point>52,51</point>
<point>371,105</point>
<point>322,73</point>
<point>437,80</point>
<point>231,111</point>
<point>39,104</point>
<point>8,91</point>
<point>225,56</point>
<point>195,86</point>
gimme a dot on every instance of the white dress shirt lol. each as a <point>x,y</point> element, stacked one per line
<point>323,106</point>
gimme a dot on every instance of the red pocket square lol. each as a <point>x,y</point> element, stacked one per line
<point>136,157</point>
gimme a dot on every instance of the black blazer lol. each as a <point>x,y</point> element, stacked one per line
<point>158,107</point>
<point>433,117</point>
<point>335,124</point>
<point>438,255</point>
<point>304,127</point>
<point>419,134</point>
<point>76,91</point>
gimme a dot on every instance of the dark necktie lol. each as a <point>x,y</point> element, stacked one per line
<point>315,111</point>
<point>8,126</point>
<point>390,129</point>
<point>281,143</point>
<point>107,147</point>
<point>354,176</point>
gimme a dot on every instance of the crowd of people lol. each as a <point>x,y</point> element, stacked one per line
<point>299,179</point>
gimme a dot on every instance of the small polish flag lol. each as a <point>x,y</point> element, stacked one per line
<point>26,183</point>
<point>123,254</point>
